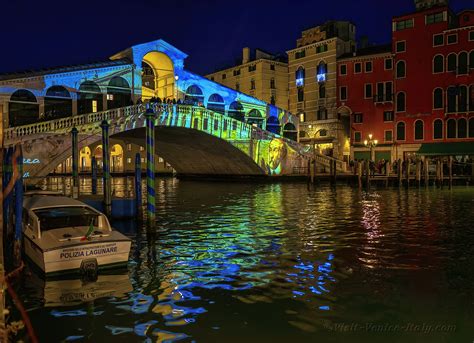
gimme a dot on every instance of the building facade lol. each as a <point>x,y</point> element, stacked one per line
<point>263,75</point>
<point>416,93</point>
<point>313,86</point>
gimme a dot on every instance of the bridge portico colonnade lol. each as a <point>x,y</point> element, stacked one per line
<point>158,76</point>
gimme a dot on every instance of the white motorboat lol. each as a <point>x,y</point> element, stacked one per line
<point>65,235</point>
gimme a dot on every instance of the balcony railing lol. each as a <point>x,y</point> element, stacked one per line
<point>381,98</point>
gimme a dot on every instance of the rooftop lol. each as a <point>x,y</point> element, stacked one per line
<point>370,50</point>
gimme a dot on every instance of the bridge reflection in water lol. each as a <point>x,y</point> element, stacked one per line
<point>270,262</point>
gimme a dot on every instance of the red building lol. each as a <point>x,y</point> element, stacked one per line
<point>432,75</point>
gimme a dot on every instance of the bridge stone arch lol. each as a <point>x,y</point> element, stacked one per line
<point>236,111</point>
<point>194,95</point>
<point>161,71</point>
<point>256,118</point>
<point>23,108</point>
<point>57,103</point>
<point>215,103</point>
<point>89,98</point>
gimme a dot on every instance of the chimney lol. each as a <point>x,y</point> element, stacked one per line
<point>245,55</point>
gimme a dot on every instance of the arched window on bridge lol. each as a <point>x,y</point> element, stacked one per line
<point>118,93</point>
<point>290,132</point>
<point>23,108</point>
<point>57,103</point>
<point>194,95</point>
<point>148,76</point>
<point>273,125</point>
<point>216,103</point>
<point>85,159</point>
<point>116,158</point>
<point>98,156</point>
<point>255,118</point>
<point>89,98</point>
<point>236,111</point>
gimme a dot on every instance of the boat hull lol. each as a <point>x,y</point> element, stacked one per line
<point>70,258</point>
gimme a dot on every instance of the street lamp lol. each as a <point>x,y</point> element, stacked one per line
<point>371,144</point>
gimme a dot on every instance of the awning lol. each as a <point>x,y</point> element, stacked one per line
<point>446,149</point>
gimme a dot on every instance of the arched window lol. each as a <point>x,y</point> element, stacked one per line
<point>452,95</point>
<point>194,95</point>
<point>401,69</point>
<point>289,131</point>
<point>299,77</point>
<point>419,128</point>
<point>321,72</point>
<point>57,103</point>
<point>471,127</point>
<point>236,111</point>
<point>462,128</point>
<point>451,128</point>
<point>119,93</point>
<point>322,90</point>
<point>273,125</point>
<point>462,99</point>
<point>89,98</point>
<point>255,118</point>
<point>401,102</point>
<point>438,98</point>
<point>471,98</point>
<point>438,129</point>
<point>401,131</point>
<point>148,76</point>
<point>438,64</point>
<point>216,103</point>
<point>452,62</point>
<point>23,108</point>
<point>462,61</point>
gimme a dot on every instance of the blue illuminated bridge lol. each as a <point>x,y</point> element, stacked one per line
<point>213,131</point>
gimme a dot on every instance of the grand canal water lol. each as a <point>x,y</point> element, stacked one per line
<point>236,262</point>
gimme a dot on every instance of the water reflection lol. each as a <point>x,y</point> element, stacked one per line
<point>274,262</point>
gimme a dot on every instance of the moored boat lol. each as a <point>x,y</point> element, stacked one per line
<point>65,235</point>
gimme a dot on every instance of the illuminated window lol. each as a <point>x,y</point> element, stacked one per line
<point>438,98</point>
<point>343,93</point>
<point>94,105</point>
<point>343,69</point>
<point>438,129</point>
<point>129,147</point>
<point>160,160</point>
<point>368,67</point>
<point>299,77</point>
<point>358,68</point>
<point>438,64</point>
<point>357,136</point>
<point>129,160</point>
<point>400,46</point>
<point>368,91</point>
<point>434,18</point>
<point>142,148</point>
<point>438,40</point>
<point>452,39</point>
<point>321,72</point>
<point>302,117</point>
<point>142,160</point>
<point>110,97</point>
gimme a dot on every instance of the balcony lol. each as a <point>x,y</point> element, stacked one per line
<point>383,98</point>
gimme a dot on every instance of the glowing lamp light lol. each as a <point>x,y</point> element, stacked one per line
<point>299,82</point>
<point>176,77</point>
<point>365,142</point>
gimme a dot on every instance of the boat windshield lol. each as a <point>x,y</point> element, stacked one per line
<point>62,217</point>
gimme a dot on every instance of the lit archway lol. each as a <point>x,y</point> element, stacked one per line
<point>290,132</point>
<point>85,159</point>
<point>116,159</point>
<point>98,156</point>
<point>157,76</point>
<point>273,125</point>
<point>23,108</point>
<point>57,103</point>
<point>216,103</point>
<point>254,117</point>
<point>236,111</point>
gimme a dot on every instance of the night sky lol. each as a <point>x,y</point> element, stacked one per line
<point>38,34</point>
